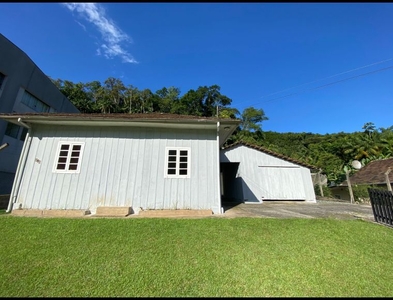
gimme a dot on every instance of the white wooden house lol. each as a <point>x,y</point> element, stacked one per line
<point>252,174</point>
<point>141,161</point>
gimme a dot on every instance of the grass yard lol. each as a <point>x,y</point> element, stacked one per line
<point>216,257</point>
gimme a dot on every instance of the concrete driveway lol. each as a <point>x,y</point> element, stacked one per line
<point>287,209</point>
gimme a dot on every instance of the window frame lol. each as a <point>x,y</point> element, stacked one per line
<point>34,103</point>
<point>177,162</point>
<point>10,130</point>
<point>68,157</point>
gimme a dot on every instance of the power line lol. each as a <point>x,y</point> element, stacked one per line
<point>322,86</point>
<point>325,85</point>
<point>373,64</point>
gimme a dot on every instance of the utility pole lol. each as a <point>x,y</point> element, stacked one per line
<point>387,179</point>
<point>319,182</point>
<point>349,186</point>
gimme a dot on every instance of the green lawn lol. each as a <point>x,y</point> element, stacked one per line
<point>240,257</point>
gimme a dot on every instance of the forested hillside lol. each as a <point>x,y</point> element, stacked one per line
<point>330,152</point>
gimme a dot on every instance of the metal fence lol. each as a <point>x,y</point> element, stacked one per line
<point>382,205</point>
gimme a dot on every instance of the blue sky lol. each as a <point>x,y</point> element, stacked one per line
<point>319,67</point>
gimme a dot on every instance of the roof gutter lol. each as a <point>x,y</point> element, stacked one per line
<point>221,209</point>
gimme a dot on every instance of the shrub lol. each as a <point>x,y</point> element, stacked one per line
<point>326,191</point>
<point>360,192</point>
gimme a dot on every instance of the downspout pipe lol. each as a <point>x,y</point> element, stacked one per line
<point>23,123</point>
<point>20,167</point>
<point>4,146</point>
<point>218,169</point>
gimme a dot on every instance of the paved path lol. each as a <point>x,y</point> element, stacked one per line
<point>320,209</point>
<point>288,209</point>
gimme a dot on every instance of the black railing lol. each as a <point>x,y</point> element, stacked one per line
<point>382,205</point>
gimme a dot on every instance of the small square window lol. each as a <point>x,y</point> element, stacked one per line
<point>68,157</point>
<point>177,162</point>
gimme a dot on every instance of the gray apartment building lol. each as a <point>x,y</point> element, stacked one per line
<point>24,88</point>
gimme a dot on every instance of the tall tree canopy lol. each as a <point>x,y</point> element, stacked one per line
<point>252,119</point>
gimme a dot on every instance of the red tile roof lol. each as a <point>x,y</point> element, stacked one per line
<point>372,173</point>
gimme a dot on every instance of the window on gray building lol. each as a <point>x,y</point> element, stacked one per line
<point>12,130</point>
<point>34,103</point>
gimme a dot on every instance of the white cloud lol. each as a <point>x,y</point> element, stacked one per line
<point>81,25</point>
<point>112,36</point>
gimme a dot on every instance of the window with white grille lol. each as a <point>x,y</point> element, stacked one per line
<point>177,163</point>
<point>68,158</point>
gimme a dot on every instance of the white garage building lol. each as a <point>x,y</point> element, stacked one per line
<point>252,174</point>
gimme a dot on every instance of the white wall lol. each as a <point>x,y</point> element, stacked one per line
<point>266,177</point>
<point>120,167</point>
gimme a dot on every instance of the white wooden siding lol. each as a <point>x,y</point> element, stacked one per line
<point>120,167</point>
<point>265,177</point>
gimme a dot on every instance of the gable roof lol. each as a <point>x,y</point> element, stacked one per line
<point>161,120</point>
<point>372,173</point>
<point>272,153</point>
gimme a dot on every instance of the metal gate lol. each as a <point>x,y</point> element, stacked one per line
<point>382,205</point>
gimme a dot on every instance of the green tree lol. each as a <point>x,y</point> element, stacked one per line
<point>249,130</point>
<point>76,93</point>
<point>228,113</point>
<point>369,128</point>
<point>205,101</point>
<point>251,119</point>
<point>166,98</point>
<point>130,98</point>
<point>113,95</point>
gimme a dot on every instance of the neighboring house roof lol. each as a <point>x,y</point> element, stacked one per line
<point>372,173</point>
<point>226,128</point>
<point>270,152</point>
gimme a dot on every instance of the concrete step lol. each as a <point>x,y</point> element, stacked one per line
<point>113,211</point>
